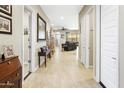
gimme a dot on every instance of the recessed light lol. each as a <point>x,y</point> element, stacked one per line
<point>62,18</point>
<point>52,24</point>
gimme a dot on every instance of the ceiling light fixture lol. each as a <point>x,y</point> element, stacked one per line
<point>62,18</point>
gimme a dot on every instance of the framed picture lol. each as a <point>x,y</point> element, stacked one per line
<point>5,25</point>
<point>41,28</point>
<point>8,51</point>
<point>6,9</point>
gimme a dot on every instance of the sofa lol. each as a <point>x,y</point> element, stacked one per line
<point>68,46</point>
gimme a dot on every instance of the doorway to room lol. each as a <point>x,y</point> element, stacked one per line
<point>27,43</point>
<point>64,69</point>
<point>67,40</point>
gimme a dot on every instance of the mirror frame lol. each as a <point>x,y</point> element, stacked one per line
<point>40,18</point>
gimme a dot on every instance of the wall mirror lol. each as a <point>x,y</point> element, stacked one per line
<point>41,28</point>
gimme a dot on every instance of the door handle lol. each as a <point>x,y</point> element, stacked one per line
<point>113,58</point>
<point>29,46</point>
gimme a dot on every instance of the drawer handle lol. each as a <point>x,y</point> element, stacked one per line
<point>17,74</point>
<point>9,62</point>
<point>7,82</point>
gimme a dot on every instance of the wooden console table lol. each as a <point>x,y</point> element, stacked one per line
<point>45,54</point>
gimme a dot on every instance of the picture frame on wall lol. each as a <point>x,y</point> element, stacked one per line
<point>6,9</point>
<point>5,25</point>
<point>41,28</point>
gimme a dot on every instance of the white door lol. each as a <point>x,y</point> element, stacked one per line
<point>83,40</point>
<point>27,41</point>
<point>109,46</point>
<point>87,26</point>
<point>91,41</point>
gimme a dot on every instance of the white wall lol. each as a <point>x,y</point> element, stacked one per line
<point>96,60</point>
<point>17,27</point>
<point>37,9</point>
<point>16,39</point>
<point>121,46</point>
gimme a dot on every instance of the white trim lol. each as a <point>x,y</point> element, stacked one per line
<point>32,38</point>
<point>97,40</point>
<point>79,60</point>
<point>35,69</point>
<point>22,38</point>
<point>98,43</point>
<point>86,66</point>
<point>117,75</point>
<point>93,9</point>
<point>91,67</point>
<point>94,42</point>
<point>87,40</point>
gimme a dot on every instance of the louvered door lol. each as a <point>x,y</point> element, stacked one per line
<point>109,46</point>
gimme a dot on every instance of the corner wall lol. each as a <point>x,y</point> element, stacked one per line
<point>84,11</point>
<point>38,9</point>
<point>17,32</point>
<point>17,27</point>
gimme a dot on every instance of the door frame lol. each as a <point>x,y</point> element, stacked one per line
<point>83,26</point>
<point>83,13</point>
<point>32,64</point>
<point>91,9</point>
<point>98,42</point>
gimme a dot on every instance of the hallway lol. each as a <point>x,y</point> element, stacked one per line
<point>62,71</point>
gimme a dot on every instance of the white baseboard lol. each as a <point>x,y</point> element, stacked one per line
<point>79,60</point>
<point>26,62</point>
<point>36,68</point>
<point>94,77</point>
<point>90,66</point>
<point>86,66</point>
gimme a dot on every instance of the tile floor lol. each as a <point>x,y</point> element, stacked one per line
<point>62,71</point>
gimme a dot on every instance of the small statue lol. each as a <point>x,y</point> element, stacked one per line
<point>3,57</point>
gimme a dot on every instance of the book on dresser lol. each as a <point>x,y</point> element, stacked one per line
<point>10,73</point>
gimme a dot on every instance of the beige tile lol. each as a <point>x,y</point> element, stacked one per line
<point>63,71</point>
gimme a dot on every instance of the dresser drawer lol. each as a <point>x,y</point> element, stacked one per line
<point>17,74</point>
<point>10,73</point>
<point>9,64</point>
<point>9,67</point>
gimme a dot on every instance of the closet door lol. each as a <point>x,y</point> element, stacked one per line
<point>109,46</point>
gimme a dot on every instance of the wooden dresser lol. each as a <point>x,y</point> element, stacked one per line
<point>10,73</point>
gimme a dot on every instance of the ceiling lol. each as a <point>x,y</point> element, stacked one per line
<point>62,15</point>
